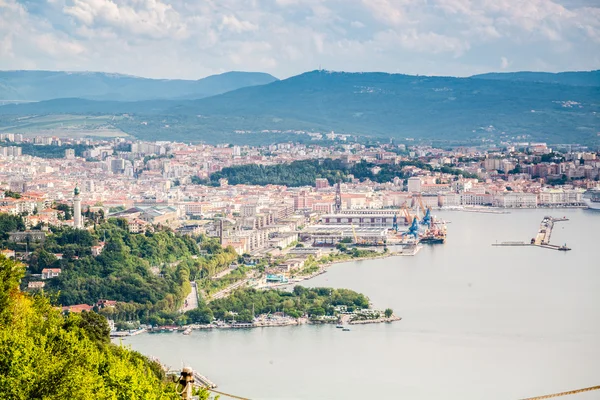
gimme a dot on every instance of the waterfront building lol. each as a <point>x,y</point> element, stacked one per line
<point>515,200</point>
<point>560,197</point>
<point>475,199</point>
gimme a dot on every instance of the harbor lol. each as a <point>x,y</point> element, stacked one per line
<point>542,238</point>
<point>504,304</point>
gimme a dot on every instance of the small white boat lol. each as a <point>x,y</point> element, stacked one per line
<point>346,329</point>
<point>339,326</point>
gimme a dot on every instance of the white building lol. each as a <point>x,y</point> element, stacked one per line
<point>559,197</point>
<point>475,199</point>
<point>450,199</point>
<point>414,184</point>
<point>49,273</point>
<point>515,200</point>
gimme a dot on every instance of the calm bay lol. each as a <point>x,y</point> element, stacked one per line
<point>479,322</point>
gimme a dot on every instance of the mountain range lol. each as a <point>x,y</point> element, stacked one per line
<point>46,85</point>
<point>558,108</point>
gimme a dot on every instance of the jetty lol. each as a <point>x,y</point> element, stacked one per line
<point>542,238</point>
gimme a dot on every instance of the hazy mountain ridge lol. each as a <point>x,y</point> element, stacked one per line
<point>373,104</point>
<point>573,78</point>
<point>47,85</point>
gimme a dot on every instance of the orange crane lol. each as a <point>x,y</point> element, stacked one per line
<point>407,216</point>
<point>421,205</point>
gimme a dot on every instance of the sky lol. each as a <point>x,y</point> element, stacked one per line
<point>193,39</point>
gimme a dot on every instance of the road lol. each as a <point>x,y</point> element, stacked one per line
<point>227,291</point>
<point>191,301</point>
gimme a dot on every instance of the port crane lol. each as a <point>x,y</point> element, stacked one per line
<point>426,212</point>
<point>427,219</point>
<point>407,216</point>
<point>413,230</point>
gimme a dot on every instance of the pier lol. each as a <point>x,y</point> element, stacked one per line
<point>542,239</point>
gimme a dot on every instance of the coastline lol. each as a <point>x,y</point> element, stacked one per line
<point>323,268</point>
<point>343,319</point>
<point>282,321</point>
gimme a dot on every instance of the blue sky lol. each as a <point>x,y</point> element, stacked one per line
<point>193,39</point>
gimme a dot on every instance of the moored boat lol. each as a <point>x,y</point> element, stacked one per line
<point>591,198</point>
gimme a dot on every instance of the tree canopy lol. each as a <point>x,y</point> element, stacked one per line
<point>305,172</point>
<point>47,355</point>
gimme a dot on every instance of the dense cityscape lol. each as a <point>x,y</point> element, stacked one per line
<point>273,233</point>
<point>299,199</point>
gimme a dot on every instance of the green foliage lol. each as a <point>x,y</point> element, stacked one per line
<point>552,157</point>
<point>11,194</point>
<point>66,209</point>
<point>45,355</point>
<point>10,223</point>
<point>388,312</point>
<point>301,301</point>
<point>147,274</point>
<point>446,108</point>
<point>40,259</point>
<point>305,172</point>
<point>211,286</point>
<point>51,151</point>
<point>200,316</point>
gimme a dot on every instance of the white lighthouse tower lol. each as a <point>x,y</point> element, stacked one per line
<point>77,221</point>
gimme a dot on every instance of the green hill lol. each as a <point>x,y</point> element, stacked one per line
<point>379,105</point>
<point>47,355</point>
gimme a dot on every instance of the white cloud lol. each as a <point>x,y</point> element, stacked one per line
<point>190,39</point>
<point>233,24</point>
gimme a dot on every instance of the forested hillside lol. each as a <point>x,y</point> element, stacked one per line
<point>147,274</point>
<point>47,355</point>
<point>304,173</point>
<point>545,107</point>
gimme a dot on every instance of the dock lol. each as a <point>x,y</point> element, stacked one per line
<point>542,238</point>
<point>512,244</point>
<point>545,231</point>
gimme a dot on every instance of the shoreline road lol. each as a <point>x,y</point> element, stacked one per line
<point>191,301</point>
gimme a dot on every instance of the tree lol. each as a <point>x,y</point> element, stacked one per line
<point>388,312</point>
<point>95,326</point>
<point>10,193</point>
<point>66,209</point>
<point>10,223</point>
<point>45,355</point>
<point>41,259</point>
